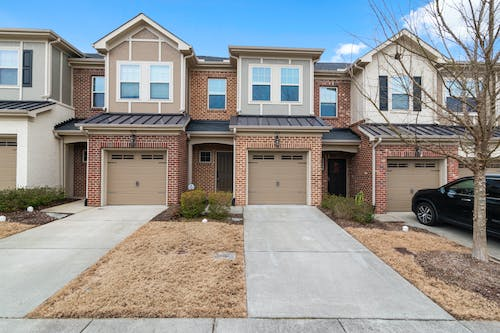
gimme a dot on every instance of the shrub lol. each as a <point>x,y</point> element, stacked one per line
<point>348,208</point>
<point>19,199</point>
<point>193,203</point>
<point>219,204</point>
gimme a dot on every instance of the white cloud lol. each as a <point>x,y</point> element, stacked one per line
<point>423,20</point>
<point>347,51</point>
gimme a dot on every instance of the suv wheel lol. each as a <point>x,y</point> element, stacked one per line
<point>426,214</point>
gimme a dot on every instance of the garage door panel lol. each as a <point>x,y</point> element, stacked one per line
<point>277,178</point>
<point>405,177</point>
<point>8,156</point>
<point>136,178</point>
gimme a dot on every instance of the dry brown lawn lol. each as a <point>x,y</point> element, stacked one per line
<point>410,253</point>
<point>10,228</point>
<point>165,269</point>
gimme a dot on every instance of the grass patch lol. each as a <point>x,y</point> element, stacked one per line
<point>165,269</point>
<point>441,269</point>
<point>11,228</point>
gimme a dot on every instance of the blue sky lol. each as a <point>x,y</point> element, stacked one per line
<point>210,26</point>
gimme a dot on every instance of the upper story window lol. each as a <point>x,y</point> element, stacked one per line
<point>9,65</point>
<point>290,84</point>
<point>261,84</point>
<point>98,91</point>
<point>460,95</point>
<point>400,93</point>
<point>130,78</point>
<point>159,82</point>
<point>145,81</point>
<point>216,94</point>
<point>328,101</point>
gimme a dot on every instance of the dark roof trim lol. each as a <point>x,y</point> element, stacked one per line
<point>221,126</point>
<point>428,131</point>
<point>68,125</point>
<point>136,120</point>
<point>267,123</point>
<point>12,106</point>
<point>341,135</point>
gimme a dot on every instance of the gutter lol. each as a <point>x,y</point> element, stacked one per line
<point>373,169</point>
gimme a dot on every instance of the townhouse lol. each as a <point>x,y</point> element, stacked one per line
<point>145,116</point>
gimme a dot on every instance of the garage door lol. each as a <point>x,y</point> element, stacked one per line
<point>405,177</point>
<point>492,168</point>
<point>136,178</point>
<point>8,152</point>
<point>277,178</point>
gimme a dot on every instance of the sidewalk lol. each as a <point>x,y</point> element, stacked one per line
<point>209,325</point>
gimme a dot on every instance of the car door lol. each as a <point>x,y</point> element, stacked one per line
<point>493,205</point>
<point>458,202</point>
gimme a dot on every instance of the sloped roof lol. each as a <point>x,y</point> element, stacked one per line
<point>341,134</point>
<point>278,122</point>
<point>331,66</point>
<point>69,125</point>
<point>418,130</point>
<point>112,119</point>
<point>208,126</point>
<point>9,105</point>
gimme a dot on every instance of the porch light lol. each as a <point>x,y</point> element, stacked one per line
<point>418,152</point>
<point>276,141</point>
<point>132,140</point>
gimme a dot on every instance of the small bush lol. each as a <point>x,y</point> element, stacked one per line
<point>193,203</point>
<point>219,204</point>
<point>19,199</point>
<point>348,208</point>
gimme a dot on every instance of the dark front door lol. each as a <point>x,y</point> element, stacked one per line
<point>225,171</point>
<point>337,177</point>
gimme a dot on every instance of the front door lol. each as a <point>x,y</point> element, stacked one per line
<point>225,171</point>
<point>337,177</point>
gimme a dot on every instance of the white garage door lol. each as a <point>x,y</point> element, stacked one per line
<point>405,177</point>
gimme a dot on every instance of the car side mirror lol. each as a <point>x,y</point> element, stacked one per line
<point>442,190</point>
<point>451,193</point>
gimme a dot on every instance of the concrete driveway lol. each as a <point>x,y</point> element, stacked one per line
<point>452,232</point>
<point>299,264</point>
<point>38,262</point>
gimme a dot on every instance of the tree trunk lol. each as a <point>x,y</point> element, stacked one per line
<point>479,241</point>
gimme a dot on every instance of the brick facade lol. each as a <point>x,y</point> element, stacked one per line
<point>312,144</point>
<point>198,95</point>
<point>343,118</point>
<point>176,156</point>
<point>82,91</point>
<point>79,171</point>
<point>204,174</point>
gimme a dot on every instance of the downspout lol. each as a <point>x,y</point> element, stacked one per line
<point>186,79</point>
<point>234,166</point>
<point>48,92</point>
<point>374,173</point>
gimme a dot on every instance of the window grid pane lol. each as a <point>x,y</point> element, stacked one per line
<point>98,100</point>
<point>129,90</point>
<point>290,76</point>
<point>217,86</point>
<point>130,73</point>
<point>98,84</point>
<point>400,101</point>
<point>217,102</point>
<point>160,74</point>
<point>290,93</point>
<point>261,92</point>
<point>159,90</point>
<point>8,59</point>
<point>8,76</point>
<point>328,95</point>
<point>400,85</point>
<point>328,109</point>
<point>261,75</point>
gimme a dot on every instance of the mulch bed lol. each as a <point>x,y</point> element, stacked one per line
<point>172,214</point>
<point>36,217</point>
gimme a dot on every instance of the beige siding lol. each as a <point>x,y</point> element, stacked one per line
<point>8,155</point>
<point>37,90</point>
<point>56,74</point>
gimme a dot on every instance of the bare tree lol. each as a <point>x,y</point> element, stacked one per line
<point>465,96</point>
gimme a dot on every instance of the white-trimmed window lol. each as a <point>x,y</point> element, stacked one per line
<point>159,82</point>
<point>289,84</point>
<point>261,84</point>
<point>216,94</point>
<point>205,156</point>
<point>130,80</point>
<point>98,91</point>
<point>400,97</point>
<point>9,66</point>
<point>145,81</point>
<point>460,96</point>
<point>328,101</point>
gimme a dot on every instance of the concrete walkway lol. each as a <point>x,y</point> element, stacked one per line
<point>299,264</point>
<point>38,262</point>
<point>245,325</point>
<point>452,232</point>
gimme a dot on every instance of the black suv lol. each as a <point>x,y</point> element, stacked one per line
<point>454,203</point>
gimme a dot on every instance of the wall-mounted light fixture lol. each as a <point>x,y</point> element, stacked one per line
<point>276,141</point>
<point>132,140</point>
<point>418,152</point>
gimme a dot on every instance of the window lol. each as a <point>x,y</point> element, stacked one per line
<point>328,101</point>
<point>27,68</point>
<point>130,78</point>
<point>261,84</point>
<point>205,156</point>
<point>159,82</point>
<point>464,187</point>
<point>400,89</point>
<point>216,94</point>
<point>9,63</point>
<point>289,84</point>
<point>98,91</point>
<point>460,95</point>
